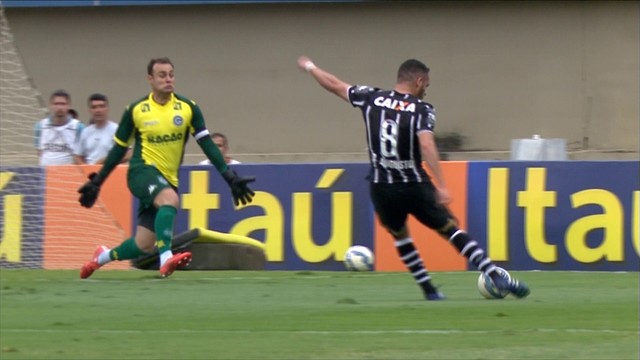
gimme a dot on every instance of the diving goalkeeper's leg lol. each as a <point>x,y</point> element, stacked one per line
<point>127,250</point>
<point>164,232</point>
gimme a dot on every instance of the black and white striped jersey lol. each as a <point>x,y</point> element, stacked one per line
<point>393,121</point>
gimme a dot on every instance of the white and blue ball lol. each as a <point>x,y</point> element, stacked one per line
<point>358,258</point>
<point>488,289</point>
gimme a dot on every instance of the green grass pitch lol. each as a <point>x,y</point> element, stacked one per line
<point>312,315</point>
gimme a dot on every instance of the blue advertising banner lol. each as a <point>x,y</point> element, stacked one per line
<point>307,215</point>
<point>557,215</point>
<point>21,217</point>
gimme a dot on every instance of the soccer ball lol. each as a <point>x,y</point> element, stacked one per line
<point>488,289</point>
<point>358,258</point>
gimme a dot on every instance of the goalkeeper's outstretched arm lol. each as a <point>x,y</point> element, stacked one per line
<point>90,190</point>
<point>115,156</point>
<point>240,191</point>
<point>120,148</point>
<point>212,152</point>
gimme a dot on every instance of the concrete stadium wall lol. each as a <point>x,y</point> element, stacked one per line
<point>499,70</point>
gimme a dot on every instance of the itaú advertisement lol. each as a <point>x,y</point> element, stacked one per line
<point>307,215</point>
<point>21,217</point>
<point>557,215</point>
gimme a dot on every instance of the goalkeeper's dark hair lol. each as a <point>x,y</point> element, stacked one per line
<point>410,69</point>
<point>161,60</point>
<point>98,97</point>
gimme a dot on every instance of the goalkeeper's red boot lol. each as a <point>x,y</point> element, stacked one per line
<point>174,262</point>
<point>93,265</point>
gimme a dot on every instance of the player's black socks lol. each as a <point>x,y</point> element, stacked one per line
<point>470,249</point>
<point>411,258</point>
<point>428,288</point>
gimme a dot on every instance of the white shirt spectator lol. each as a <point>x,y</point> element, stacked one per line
<point>57,142</point>
<point>95,142</point>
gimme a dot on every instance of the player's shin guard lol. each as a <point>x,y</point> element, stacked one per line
<point>163,226</point>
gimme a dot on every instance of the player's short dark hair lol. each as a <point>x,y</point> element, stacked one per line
<point>411,68</point>
<point>222,136</point>
<point>60,93</point>
<point>97,97</point>
<point>73,113</point>
<point>161,60</point>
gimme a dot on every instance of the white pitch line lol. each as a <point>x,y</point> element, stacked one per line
<point>317,274</point>
<point>317,332</point>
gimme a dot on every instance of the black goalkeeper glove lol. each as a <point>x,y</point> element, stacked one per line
<point>240,191</point>
<point>90,190</point>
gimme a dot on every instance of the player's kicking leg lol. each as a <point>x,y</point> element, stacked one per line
<point>477,256</point>
<point>516,287</point>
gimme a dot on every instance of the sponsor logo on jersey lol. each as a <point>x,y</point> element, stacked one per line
<point>177,120</point>
<point>150,123</point>
<point>177,106</point>
<point>394,104</point>
<point>145,107</point>
<point>162,139</point>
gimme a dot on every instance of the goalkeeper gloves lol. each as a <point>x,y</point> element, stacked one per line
<point>90,190</point>
<point>240,191</point>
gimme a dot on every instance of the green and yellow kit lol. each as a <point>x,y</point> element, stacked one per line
<point>159,133</point>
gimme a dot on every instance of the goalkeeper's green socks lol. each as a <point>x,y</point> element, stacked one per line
<point>164,231</point>
<point>127,250</point>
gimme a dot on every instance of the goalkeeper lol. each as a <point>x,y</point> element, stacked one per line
<point>159,123</point>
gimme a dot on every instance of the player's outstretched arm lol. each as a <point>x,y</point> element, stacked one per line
<point>211,150</point>
<point>91,189</point>
<point>324,78</point>
<point>240,189</point>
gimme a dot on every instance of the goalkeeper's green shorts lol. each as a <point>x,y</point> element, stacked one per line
<point>145,183</point>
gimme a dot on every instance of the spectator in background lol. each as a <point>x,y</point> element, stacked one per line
<point>56,136</point>
<point>97,139</point>
<point>223,144</point>
<point>73,113</point>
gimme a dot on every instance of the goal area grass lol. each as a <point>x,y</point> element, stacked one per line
<point>120,314</point>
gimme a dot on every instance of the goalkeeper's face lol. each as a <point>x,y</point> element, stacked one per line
<point>162,78</point>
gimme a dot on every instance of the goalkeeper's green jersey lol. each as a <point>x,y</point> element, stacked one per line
<point>160,132</point>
